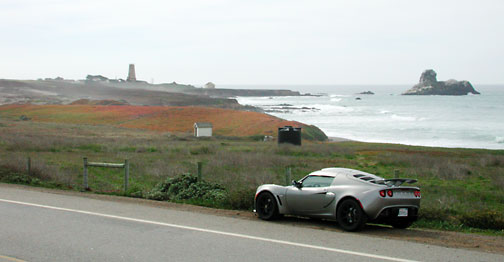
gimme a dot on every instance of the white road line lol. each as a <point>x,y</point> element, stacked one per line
<point>11,259</point>
<point>343,251</point>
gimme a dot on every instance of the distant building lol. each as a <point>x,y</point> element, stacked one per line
<point>117,80</point>
<point>210,85</point>
<point>96,78</point>
<point>131,73</point>
<point>202,129</point>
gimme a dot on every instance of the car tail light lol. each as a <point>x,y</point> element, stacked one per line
<point>382,193</point>
<point>390,193</point>
<point>417,193</point>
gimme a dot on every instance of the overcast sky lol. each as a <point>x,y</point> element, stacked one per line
<point>254,42</point>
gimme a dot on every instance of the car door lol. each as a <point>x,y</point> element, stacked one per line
<point>312,197</point>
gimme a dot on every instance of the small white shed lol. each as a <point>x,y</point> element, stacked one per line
<point>202,129</point>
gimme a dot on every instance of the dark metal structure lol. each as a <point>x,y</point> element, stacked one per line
<point>289,134</point>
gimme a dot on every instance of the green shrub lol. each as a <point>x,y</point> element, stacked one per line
<point>436,213</point>
<point>135,191</point>
<point>21,179</point>
<point>152,149</point>
<point>241,198</point>
<point>483,219</point>
<point>187,187</point>
<point>9,175</point>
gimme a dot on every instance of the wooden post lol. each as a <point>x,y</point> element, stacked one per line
<point>126,175</point>
<point>28,166</point>
<point>86,187</point>
<point>200,167</point>
<point>396,173</point>
<point>288,176</point>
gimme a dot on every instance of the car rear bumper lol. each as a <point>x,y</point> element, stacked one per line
<point>392,213</point>
<point>390,206</point>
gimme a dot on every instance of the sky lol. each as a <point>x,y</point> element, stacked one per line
<point>260,42</point>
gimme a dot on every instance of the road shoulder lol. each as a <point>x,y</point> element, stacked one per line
<point>476,242</point>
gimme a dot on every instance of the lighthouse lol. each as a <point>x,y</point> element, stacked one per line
<point>131,73</point>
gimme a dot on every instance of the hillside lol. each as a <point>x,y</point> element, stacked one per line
<point>45,92</point>
<point>226,122</point>
<point>223,92</point>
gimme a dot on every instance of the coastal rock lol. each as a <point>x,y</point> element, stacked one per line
<point>288,108</point>
<point>429,85</point>
<point>366,93</point>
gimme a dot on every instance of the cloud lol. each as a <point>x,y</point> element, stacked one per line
<point>389,41</point>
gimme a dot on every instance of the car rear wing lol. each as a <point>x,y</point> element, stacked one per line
<point>395,181</point>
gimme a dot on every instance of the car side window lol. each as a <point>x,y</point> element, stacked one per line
<point>318,181</point>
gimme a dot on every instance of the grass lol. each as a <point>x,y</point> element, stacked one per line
<point>225,122</point>
<point>462,189</point>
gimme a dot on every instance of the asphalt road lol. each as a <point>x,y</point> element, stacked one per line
<point>39,226</point>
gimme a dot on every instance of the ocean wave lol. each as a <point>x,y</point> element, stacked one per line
<point>329,109</point>
<point>403,118</point>
<point>425,121</point>
<point>334,95</point>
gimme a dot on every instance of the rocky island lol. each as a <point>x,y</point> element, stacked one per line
<point>429,85</point>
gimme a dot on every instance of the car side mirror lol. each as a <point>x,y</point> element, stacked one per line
<point>297,184</point>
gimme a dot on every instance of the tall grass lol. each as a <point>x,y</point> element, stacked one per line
<point>456,184</point>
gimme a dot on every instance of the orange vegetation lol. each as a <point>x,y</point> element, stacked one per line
<point>158,118</point>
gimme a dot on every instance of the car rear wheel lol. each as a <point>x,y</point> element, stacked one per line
<point>402,224</point>
<point>266,206</point>
<point>350,215</point>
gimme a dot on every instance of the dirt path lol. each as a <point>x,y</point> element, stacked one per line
<point>492,244</point>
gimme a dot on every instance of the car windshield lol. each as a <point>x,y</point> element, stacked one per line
<point>317,181</point>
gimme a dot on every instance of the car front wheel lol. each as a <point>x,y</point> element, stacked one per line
<point>350,215</point>
<point>266,206</point>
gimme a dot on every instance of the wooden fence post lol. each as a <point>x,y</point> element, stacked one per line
<point>288,176</point>
<point>86,187</point>
<point>28,166</point>
<point>124,165</point>
<point>126,175</point>
<point>200,167</point>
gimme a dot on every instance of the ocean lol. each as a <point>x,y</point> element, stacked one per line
<point>472,121</point>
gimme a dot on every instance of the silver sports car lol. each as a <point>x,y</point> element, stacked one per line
<point>351,197</point>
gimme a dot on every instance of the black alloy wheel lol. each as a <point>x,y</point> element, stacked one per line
<point>266,206</point>
<point>350,215</point>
